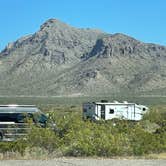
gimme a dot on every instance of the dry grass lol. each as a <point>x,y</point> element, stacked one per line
<point>39,154</point>
<point>34,153</point>
<point>156,156</point>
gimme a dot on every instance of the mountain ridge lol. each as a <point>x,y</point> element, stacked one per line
<point>63,60</point>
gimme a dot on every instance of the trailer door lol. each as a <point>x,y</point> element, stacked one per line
<point>102,111</point>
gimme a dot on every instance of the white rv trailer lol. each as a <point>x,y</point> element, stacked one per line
<point>110,110</point>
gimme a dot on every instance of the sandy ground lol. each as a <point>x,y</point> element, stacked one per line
<point>83,162</point>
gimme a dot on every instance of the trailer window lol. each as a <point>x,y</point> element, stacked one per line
<point>144,109</point>
<point>111,111</point>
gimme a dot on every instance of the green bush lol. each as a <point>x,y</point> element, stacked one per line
<point>156,115</point>
<point>17,146</point>
<point>75,137</point>
<point>44,138</point>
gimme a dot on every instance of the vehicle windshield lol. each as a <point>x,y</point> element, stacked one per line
<point>42,118</point>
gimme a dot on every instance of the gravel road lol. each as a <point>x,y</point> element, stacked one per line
<point>83,162</point>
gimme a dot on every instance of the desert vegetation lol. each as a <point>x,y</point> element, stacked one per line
<point>75,137</point>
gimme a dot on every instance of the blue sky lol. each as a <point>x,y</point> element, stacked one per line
<point>142,19</point>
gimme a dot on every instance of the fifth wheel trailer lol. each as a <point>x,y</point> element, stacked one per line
<point>110,110</point>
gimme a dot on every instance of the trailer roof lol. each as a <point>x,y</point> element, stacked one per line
<point>114,103</point>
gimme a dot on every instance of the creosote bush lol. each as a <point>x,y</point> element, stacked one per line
<point>75,137</point>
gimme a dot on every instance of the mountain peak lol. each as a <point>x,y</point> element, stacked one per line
<point>53,20</point>
<point>50,23</point>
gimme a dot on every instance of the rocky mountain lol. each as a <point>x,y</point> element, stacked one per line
<point>63,60</point>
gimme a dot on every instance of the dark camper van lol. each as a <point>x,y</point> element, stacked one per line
<point>15,120</point>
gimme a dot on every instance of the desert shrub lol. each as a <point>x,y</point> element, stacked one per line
<point>43,138</point>
<point>17,146</point>
<point>75,137</point>
<point>156,115</point>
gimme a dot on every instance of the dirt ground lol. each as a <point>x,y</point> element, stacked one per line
<point>83,162</point>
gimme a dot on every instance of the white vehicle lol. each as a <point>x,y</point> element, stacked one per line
<point>110,110</point>
<point>14,120</point>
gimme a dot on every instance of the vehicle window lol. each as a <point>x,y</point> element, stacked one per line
<point>21,118</point>
<point>3,117</point>
<point>24,118</point>
<point>40,118</point>
<point>8,117</point>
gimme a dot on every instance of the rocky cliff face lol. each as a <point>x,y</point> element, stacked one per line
<point>63,60</point>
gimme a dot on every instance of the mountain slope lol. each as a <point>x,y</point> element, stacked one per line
<point>62,60</point>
